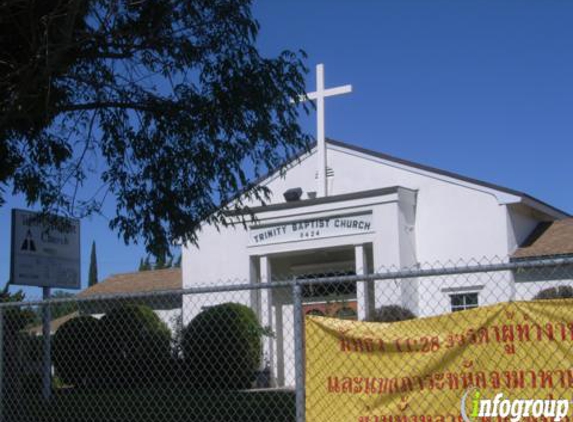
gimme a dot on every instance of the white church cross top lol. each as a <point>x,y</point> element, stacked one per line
<point>319,95</point>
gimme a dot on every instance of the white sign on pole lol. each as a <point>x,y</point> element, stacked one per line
<point>44,256</point>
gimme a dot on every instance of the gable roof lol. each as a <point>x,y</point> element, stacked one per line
<point>548,240</point>
<point>137,282</point>
<point>522,195</point>
<point>134,282</point>
<point>444,173</point>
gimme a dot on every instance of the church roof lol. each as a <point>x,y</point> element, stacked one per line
<point>549,239</point>
<point>441,172</point>
<point>522,195</point>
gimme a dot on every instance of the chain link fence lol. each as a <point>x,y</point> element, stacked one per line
<point>236,351</point>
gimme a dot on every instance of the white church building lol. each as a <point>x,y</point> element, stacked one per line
<point>380,213</point>
<point>343,209</point>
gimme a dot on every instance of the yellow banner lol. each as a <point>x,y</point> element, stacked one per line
<point>442,368</point>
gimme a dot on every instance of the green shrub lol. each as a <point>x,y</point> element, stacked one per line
<point>558,292</point>
<point>134,346</point>
<point>391,313</point>
<point>222,347</point>
<point>15,320</point>
<point>74,346</point>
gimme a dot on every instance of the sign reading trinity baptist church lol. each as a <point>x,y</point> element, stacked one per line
<point>310,229</point>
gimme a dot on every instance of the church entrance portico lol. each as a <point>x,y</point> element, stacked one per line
<point>275,306</point>
<point>327,237</point>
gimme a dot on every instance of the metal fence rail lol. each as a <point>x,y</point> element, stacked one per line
<point>233,351</point>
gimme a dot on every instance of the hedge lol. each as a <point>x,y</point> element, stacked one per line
<point>391,313</point>
<point>134,346</point>
<point>557,292</point>
<point>74,355</point>
<point>222,347</point>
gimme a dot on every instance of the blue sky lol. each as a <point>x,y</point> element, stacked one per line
<point>482,88</point>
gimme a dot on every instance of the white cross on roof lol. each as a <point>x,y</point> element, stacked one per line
<point>319,95</point>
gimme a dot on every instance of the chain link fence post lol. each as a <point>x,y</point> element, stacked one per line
<point>46,358</point>
<point>299,352</point>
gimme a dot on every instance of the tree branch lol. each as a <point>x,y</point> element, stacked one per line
<point>98,105</point>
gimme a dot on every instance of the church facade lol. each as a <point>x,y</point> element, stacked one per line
<point>375,213</point>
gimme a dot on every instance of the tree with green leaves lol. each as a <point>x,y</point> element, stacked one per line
<point>144,265</point>
<point>92,276</point>
<point>152,91</point>
<point>65,308</point>
<point>160,263</point>
<point>15,319</point>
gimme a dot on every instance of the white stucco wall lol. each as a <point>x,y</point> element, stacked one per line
<point>452,221</point>
<point>521,222</point>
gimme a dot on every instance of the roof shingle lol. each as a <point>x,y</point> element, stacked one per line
<point>137,282</point>
<point>548,239</point>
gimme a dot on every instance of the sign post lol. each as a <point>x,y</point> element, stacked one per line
<point>46,347</point>
<point>46,257</point>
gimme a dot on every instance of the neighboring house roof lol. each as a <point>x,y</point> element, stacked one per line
<point>169,279</point>
<point>137,282</point>
<point>548,239</point>
<point>54,325</point>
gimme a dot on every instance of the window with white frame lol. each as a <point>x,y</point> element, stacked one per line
<point>463,301</point>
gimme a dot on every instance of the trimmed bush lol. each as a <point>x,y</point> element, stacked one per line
<point>222,347</point>
<point>134,345</point>
<point>391,313</point>
<point>558,292</point>
<point>74,350</point>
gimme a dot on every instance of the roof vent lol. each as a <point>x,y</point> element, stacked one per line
<point>329,173</point>
<point>293,194</point>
